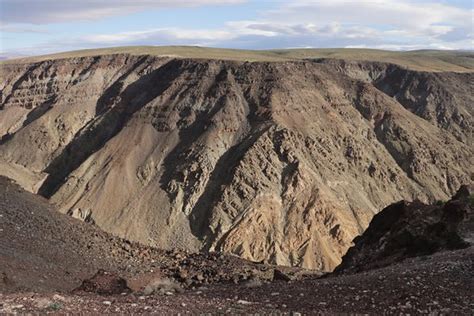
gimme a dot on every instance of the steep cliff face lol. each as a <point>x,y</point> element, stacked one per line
<point>284,162</point>
<point>443,98</point>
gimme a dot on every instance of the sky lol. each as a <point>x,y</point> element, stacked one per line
<point>34,27</point>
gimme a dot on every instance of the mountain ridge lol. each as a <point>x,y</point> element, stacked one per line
<point>424,60</point>
<point>283,162</point>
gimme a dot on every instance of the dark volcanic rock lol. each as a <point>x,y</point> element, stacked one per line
<point>409,229</point>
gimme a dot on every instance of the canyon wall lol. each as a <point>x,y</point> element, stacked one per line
<point>281,162</point>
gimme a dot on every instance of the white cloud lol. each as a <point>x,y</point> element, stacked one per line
<point>52,11</point>
<point>393,19</point>
<point>384,24</point>
<point>156,35</point>
<point>20,28</point>
<point>398,13</point>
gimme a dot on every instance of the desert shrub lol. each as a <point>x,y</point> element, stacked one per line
<point>55,306</point>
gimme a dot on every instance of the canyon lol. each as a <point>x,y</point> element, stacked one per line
<point>281,161</point>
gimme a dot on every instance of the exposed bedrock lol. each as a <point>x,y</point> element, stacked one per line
<point>282,162</point>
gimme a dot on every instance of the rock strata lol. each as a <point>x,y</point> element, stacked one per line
<point>280,162</point>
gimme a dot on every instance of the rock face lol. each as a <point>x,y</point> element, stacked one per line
<point>407,229</point>
<point>282,162</point>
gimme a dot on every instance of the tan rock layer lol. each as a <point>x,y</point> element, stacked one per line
<point>282,162</point>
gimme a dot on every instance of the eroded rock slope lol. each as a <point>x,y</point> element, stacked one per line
<point>283,162</point>
<point>42,250</point>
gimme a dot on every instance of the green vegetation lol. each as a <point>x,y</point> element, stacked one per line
<point>55,306</point>
<point>428,60</point>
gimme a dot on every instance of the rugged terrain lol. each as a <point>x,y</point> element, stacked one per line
<point>44,251</point>
<point>281,161</point>
<point>437,285</point>
<point>412,229</point>
<point>48,255</point>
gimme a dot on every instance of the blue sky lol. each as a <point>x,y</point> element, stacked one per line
<point>32,27</point>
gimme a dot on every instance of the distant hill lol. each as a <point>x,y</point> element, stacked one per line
<point>427,60</point>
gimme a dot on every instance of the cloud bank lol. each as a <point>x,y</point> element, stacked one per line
<point>384,24</point>
<point>54,11</point>
<point>302,23</point>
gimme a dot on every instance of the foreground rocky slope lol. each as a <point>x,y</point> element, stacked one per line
<point>49,265</point>
<point>44,251</point>
<point>282,162</point>
<point>436,285</point>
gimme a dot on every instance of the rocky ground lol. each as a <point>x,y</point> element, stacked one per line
<point>50,262</point>
<point>41,249</point>
<point>281,163</point>
<point>437,285</point>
